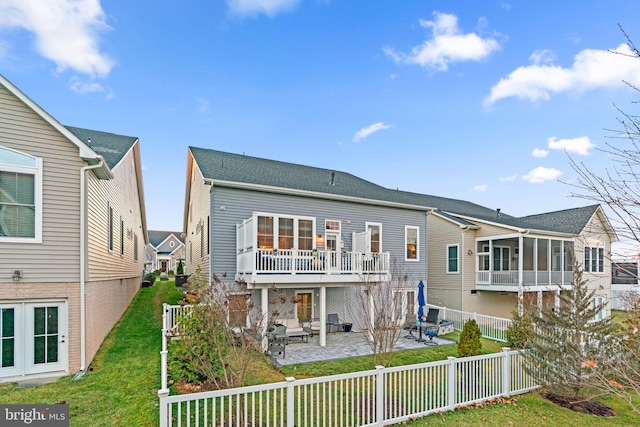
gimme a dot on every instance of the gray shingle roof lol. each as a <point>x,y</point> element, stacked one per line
<point>156,236</point>
<point>109,145</point>
<point>223,166</point>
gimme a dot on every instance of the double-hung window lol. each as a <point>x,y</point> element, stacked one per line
<point>411,243</point>
<point>20,197</point>
<point>375,242</point>
<point>453,257</point>
<point>594,259</point>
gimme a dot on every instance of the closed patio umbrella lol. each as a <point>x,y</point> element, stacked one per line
<point>421,304</point>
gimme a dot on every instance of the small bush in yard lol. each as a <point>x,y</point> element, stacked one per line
<point>520,330</point>
<point>470,344</point>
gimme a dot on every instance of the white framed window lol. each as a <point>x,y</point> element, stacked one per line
<point>20,197</point>
<point>594,259</point>
<point>375,237</point>
<point>121,237</point>
<point>109,227</point>
<point>501,258</point>
<point>286,231</point>
<point>404,306</point>
<point>453,259</point>
<point>412,243</point>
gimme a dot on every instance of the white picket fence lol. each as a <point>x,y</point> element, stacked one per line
<point>494,328</point>
<point>371,398</point>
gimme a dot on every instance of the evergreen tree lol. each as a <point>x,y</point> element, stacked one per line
<point>470,344</point>
<point>567,340</point>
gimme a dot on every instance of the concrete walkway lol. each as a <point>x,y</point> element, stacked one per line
<point>341,345</point>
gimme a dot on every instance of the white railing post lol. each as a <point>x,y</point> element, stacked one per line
<point>380,396</point>
<point>290,401</point>
<point>451,383</point>
<point>164,413</point>
<point>506,371</point>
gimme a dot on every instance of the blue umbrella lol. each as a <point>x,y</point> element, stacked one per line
<point>421,305</point>
<point>421,302</point>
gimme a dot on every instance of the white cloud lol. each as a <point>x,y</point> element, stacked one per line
<point>542,56</point>
<point>591,69</point>
<point>481,188</point>
<point>447,45</point>
<point>542,174</point>
<point>65,31</point>
<point>82,88</point>
<point>537,152</point>
<point>580,145</point>
<point>508,178</point>
<point>363,133</point>
<point>269,7</point>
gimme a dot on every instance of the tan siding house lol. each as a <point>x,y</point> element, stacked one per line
<point>61,288</point>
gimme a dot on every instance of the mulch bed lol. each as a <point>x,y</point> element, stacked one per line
<point>591,407</point>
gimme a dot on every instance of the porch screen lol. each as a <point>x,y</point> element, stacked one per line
<point>285,233</point>
<point>305,234</point>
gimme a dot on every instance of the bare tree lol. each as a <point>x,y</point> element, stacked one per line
<point>378,303</point>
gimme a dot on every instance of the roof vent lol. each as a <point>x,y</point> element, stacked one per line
<point>89,140</point>
<point>333,179</point>
<point>498,213</point>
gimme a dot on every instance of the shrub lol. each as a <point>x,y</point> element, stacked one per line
<point>170,273</point>
<point>519,331</point>
<point>470,344</point>
<point>180,268</point>
<point>151,277</point>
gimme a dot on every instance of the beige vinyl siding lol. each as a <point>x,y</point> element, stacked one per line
<point>446,289</point>
<point>198,213</point>
<point>121,193</point>
<point>56,259</point>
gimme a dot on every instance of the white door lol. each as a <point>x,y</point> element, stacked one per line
<point>47,342</point>
<point>333,254</point>
<point>33,338</point>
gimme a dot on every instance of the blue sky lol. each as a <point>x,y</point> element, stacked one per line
<point>480,101</point>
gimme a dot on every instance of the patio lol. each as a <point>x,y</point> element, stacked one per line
<point>341,345</point>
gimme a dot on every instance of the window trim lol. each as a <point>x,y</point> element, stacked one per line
<point>457,246</point>
<point>406,243</point>
<point>368,224</point>
<point>110,227</point>
<point>37,172</point>
<point>599,300</point>
<point>276,229</point>
<point>598,261</point>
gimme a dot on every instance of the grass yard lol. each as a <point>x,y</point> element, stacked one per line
<point>122,389</point>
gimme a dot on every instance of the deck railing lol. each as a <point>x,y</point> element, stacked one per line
<point>296,261</point>
<point>529,278</point>
<point>492,327</point>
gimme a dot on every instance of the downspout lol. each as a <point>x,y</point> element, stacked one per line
<point>462,258</point>
<point>83,263</point>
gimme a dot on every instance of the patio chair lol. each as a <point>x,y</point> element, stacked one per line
<point>333,323</point>
<point>431,332</point>
<point>432,317</point>
<point>410,327</point>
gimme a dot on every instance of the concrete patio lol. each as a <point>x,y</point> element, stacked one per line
<point>341,345</point>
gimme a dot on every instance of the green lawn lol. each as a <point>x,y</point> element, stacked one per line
<point>122,389</point>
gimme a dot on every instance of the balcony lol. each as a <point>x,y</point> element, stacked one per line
<point>531,280</point>
<point>310,266</point>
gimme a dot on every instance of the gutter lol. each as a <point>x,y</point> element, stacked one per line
<point>83,263</point>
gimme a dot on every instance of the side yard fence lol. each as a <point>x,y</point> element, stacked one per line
<point>376,397</point>
<point>494,328</point>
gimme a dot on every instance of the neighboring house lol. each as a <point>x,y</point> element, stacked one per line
<point>625,286</point>
<point>164,251</point>
<point>268,223</point>
<point>489,263</point>
<point>313,233</point>
<point>72,235</point>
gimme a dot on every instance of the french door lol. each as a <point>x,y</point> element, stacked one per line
<point>33,338</point>
<point>304,306</point>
